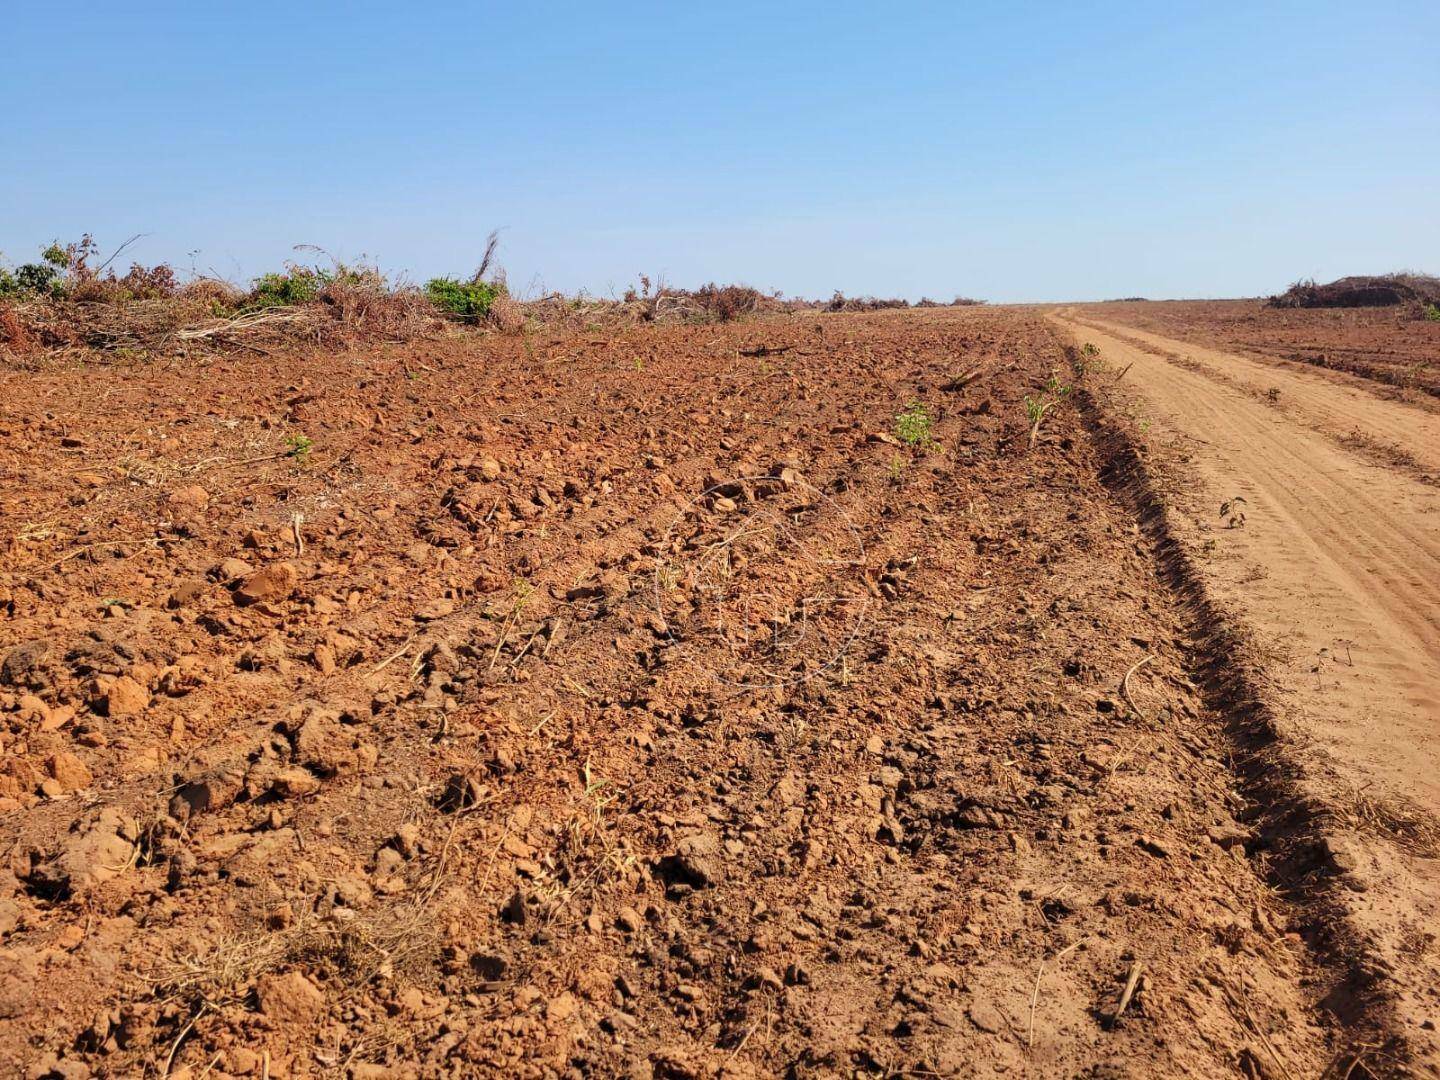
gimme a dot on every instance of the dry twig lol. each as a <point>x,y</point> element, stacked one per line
<point>1125,684</point>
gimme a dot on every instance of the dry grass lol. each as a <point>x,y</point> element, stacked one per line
<point>1390,816</point>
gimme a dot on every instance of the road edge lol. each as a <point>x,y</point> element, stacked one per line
<point>1296,850</point>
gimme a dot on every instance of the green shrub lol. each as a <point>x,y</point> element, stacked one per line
<point>298,285</point>
<point>1432,312</point>
<point>466,299</point>
<point>41,277</point>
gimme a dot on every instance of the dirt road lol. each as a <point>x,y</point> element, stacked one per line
<point>1335,565</point>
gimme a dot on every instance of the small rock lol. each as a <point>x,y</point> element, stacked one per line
<point>208,793</point>
<point>192,497</point>
<point>388,861</point>
<point>435,609</point>
<point>695,863</point>
<point>126,697</point>
<point>986,1017</point>
<point>186,593</point>
<point>68,772</point>
<point>1347,860</point>
<point>489,468</point>
<point>294,783</point>
<point>561,1007</point>
<point>91,856</point>
<point>55,718</point>
<point>1227,836</point>
<point>229,570</point>
<point>9,916</point>
<point>323,745</point>
<point>275,582</point>
<point>290,998</point>
<point>21,661</point>
<point>407,839</point>
<point>1152,846</point>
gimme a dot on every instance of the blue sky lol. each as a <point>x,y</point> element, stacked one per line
<point>1004,150</point>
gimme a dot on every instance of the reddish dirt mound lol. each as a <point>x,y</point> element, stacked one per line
<point>634,705</point>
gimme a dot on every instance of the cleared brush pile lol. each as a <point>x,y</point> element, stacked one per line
<point>841,302</point>
<point>1384,290</point>
<point>65,302</point>
<point>179,323</point>
<point>657,302</point>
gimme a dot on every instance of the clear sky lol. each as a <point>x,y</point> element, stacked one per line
<point>1011,151</point>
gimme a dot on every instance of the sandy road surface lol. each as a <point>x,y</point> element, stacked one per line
<point>1336,549</point>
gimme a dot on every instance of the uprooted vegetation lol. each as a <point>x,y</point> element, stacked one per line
<point>67,301</point>
<point>72,299</point>
<point>654,301</point>
<point>1382,290</point>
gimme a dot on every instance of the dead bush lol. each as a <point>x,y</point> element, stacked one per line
<point>14,334</point>
<point>725,303</point>
<point>362,303</point>
<point>506,314</point>
<point>655,302</point>
<point>841,302</point>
